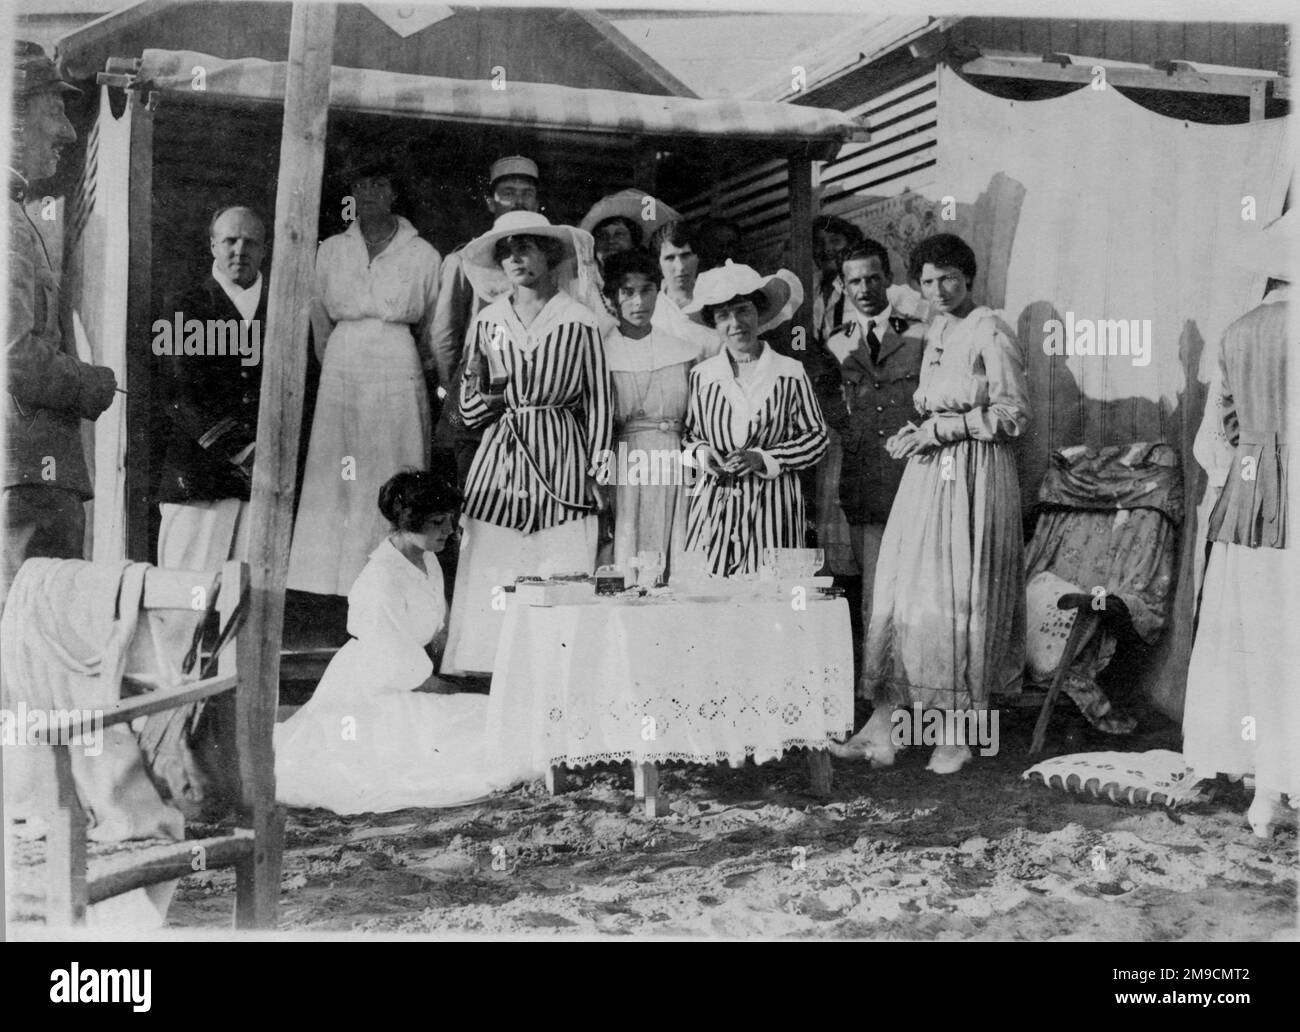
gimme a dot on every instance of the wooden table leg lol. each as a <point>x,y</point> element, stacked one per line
<point>645,785</point>
<point>819,770</point>
<point>557,779</point>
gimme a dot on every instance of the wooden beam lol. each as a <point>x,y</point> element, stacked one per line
<point>136,868</point>
<point>284,367</point>
<point>645,168</point>
<point>139,320</point>
<point>803,209</point>
<point>1258,94</point>
<point>65,843</point>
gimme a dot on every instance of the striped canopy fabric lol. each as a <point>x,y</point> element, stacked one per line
<point>537,106</point>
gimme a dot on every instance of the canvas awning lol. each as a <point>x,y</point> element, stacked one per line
<point>534,106</point>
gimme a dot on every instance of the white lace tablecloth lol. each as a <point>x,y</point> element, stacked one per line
<point>703,682</point>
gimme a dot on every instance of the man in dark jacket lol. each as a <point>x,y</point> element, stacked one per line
<point>49,390</point>
<point>876,355</point>
<point>212,394</point>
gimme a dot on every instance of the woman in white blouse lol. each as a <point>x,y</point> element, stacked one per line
<point>377,283</point>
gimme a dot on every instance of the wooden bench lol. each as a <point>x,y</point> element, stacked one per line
<point>253,848</point>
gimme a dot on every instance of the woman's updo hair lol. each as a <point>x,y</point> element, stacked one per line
<point>409,498</point>
<point>943,251</point>
<point>758,298</point>
<point>548,245</point>
<point>620,265</point>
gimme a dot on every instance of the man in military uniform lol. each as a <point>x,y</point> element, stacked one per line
<point>877,365</point>
<point>49,390</point>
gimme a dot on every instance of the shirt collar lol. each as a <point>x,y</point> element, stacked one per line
<point>246,299</point>
<point>387,552</point>
<point>880,320</point>
<point>656,351</point>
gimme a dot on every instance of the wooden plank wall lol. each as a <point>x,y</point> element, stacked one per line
<point>532,44</point>
<point>900,157</point>
<point>1240,45</point>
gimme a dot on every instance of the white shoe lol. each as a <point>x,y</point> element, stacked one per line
<point>873,743</point>
<point>1264,811</point>
<point>948,759</point>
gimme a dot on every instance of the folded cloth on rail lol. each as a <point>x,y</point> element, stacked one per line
<point>66,637</point>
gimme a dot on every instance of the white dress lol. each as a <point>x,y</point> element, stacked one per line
<point>650,393</point>
<point>372,410</point>
<point>367,743</point>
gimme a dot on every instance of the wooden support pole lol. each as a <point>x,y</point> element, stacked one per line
<point>645,168</point>
<point>819,772</point>
<point>65,843</point>
<point>802,212</point>
<point>645,786</point>
<point>1258,96</point>
<point>297,214</point>
<point>139,320</point>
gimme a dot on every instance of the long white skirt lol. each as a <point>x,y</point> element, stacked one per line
<point>372,419</point>
<point>1242,711</point>
<point>360,747</point>
<point>492,557</point>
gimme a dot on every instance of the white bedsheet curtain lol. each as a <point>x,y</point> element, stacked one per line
<point>1091,205</point>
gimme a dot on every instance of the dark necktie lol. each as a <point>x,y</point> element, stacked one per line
<point>873,342</point>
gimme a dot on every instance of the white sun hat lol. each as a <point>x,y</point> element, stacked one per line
<point>783,290</point>
<point>577,272</point>
<point>519,223</point>
<point>631,205</point>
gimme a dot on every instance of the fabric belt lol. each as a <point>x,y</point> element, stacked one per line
<point>667,426</point>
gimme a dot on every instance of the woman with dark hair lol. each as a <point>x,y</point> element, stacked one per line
<point>536,378</point>
<point>376,287</point>
<point>673,245</point>
<point>373,737</point>
<point>649,369</point>
<point>752,423</point>
<point>948,607</point>
<point>832,238</point>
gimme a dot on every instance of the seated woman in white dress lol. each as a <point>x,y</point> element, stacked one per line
<point>373,738</point>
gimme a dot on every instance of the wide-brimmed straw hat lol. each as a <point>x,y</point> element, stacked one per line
<point>783,291</point>
<point>631,205</point>
<point>519,223</point>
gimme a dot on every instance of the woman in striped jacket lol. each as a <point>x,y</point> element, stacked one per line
<point>752,422</point>
<point>536,378</point>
